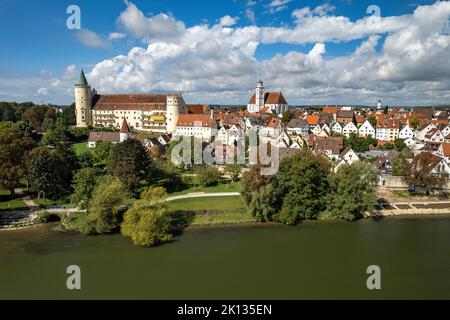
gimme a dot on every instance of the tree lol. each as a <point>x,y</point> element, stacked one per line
<point>386,110</point>
<point>359,144</point>
<point>48,172</point>
<point>251,182</point>
<point>287,116</point>
<point>262,204</point>
<point>83,186</point>
<point>399,165</point>
<point>419,173</point>
<point>415,122</point>
<point>68,115</point>
<point>102,151</point>
<point>353,191</point>
<point>103,210</point>
<point>300,187</point>
<point>206,175</point>
<point>130,163</point>
<point>148,221</point>
<point>400,144</point>
<point>85,160</point>
<point>35,116</point>
<point>14,145</point>
<point>233,170</point>
<point>373,121</point>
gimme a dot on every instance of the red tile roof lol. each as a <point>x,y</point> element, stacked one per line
<point>194,120</point>
<point>124,128</point>
<point>274,97</point>
<point>312,119</point>
<point>130,101</point>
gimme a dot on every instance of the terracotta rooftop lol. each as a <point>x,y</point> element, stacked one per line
<point>194,120</point>
<point>274,97</point>
<point>124,128</point>
<point>312,119</point>
<point>129,101</point>
<point>197,108</point>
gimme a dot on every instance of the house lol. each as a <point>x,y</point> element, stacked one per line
<point>336,128</point>
<point>387,130</point>
<point>316,130</point>
<point>348,156</point>
<point>385,162</point>
<point>329,146</point>
<point>423,130</point>
<point>267,102</point>
<point>444,151</point>
<point>312,120</point>
<point>445,131</point>
<point>366,129</point>
<point>113,137</point>
<point>273,128</point>
<point>345,116</point>
<point>349,128</point>
<point>406,132</point>
<point>434,136</point>
<point>195,125</point>
<point>438,166</point>
<point>299,127</point>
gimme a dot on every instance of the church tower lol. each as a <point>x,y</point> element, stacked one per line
<point>259,96</point>
<point>175,106</point>
<point>83,102</point>
<point>379,106</point>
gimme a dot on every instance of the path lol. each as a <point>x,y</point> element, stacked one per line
<point>413,204</point>
<point>202,195</point>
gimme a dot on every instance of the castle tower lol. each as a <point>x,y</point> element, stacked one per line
<point>259,101</point>
<point>125,133</point>
<point>83,102</point>
<point>175,107</point>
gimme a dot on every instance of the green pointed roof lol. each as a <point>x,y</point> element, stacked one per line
<point>82,81</point>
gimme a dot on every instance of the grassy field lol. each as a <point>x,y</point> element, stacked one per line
<point>210,210</point>
<point>81,147</point>
<point>222,187</point>
<point>9,204</point>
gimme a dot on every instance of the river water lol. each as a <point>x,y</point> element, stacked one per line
<point>309,261</point>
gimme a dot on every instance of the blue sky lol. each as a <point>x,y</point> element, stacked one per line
<point>37,49</point>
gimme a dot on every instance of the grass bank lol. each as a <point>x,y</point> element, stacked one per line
<point>10,202</point>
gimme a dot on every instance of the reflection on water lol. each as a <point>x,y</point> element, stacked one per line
<point>309,261</point>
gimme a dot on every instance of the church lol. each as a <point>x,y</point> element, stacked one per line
<point>265,102</point>
<point>142,112</point>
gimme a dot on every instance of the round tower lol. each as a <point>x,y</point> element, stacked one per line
<point>175,107</point>
<point>259,97</point>
<point>83,102</point>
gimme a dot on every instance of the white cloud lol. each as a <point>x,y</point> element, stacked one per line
<point>277,6</point>
<point>116,35</point>
<point>42,91</point>
<point>91,39</point>
<point>161,26</point>
<point>228,21</point>
<point>403,59</point>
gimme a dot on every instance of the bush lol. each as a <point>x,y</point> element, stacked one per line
<point>207,175</point>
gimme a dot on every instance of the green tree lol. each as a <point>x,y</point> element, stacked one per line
<point>35,116</point>
<point>251,182</point>
<point>353,191</point>
<point>103,151</point>
<point>14,145</point>
<point>287,116</point>
<point>373,121</point>
<point>233,170</point>
<point>48,172</point>
<point>83,185</point>
<point>300,187</point>
<point>103,211</point>
<point>415,122</point>
<point>206,175</point>
<point>148,221</point>
<point>399,144</point>
<point>262,204</point>
<point>399,165</point>
<point>85,160</point>
<point>130,163</point>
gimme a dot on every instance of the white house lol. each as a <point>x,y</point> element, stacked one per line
<point>434,135</point>
<point>422,131</point>
<point>366,129</point>
<point>444,151</point>
<point>348,156</point>
<point>349,129</point>
<point>336,128</point>
<point>406,132</point>
<point>196,125</point>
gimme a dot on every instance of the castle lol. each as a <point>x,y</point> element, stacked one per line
<point>266,102</point>
<point>143,112</point>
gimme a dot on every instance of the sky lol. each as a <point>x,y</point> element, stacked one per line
<point>315,52</point>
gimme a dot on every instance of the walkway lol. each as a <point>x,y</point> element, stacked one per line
<point>202,195</point>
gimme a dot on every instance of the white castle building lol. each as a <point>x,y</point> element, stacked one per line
<point>266,102</point>
<point>144,112</point>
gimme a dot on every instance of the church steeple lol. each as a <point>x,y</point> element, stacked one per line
<point>82,82</point>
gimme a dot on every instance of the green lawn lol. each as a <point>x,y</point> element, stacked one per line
<point>222,187</point>
<point>209,210</point>
<point>9,204</point>
<point>81,147</point>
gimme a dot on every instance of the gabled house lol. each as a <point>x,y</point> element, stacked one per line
<point>329,146</point>
<point>366,129</point>
<point>345,116</point>
<point>444,151</point>
<point>349,128</point>
<point>406,132</point>
<point>434,136</point>
<point>387,130</point>
<point>348,156</point>
<point>312,120</point>
<point>299,127</point>
<point>385,162</point>
<point>336,128</point>
<point>423,130</point>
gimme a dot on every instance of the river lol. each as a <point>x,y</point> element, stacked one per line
<point>309,261</point>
